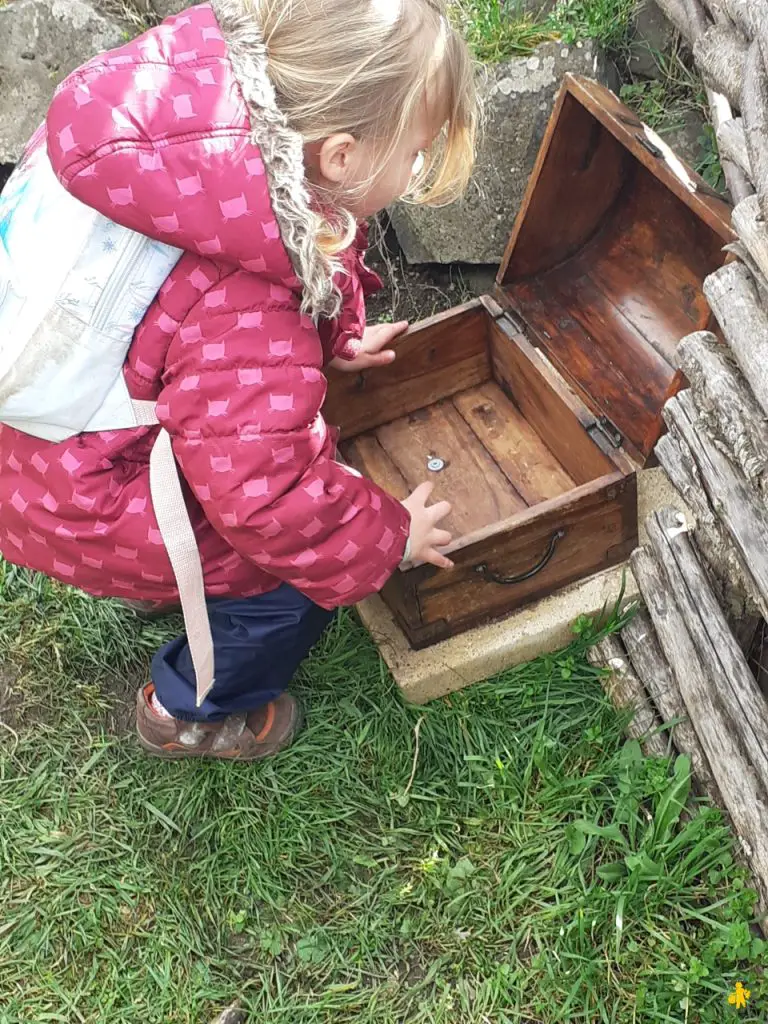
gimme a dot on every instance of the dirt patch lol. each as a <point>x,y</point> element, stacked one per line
<point>415,292</point>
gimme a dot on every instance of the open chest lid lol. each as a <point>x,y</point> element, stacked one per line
<point>605,265</point>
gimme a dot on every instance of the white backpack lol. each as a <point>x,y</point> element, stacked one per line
<point>74,287</point>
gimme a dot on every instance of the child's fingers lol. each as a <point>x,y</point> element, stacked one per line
<point>421,494</point>
<point>435,558</point>
<point>380,358</point>
<point>440,538</point>
<point>439,511</point>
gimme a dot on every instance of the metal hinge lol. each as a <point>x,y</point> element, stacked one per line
<point>516,325</point>
<point>602,427</point>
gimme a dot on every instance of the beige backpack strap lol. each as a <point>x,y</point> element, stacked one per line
<point>179,539</point>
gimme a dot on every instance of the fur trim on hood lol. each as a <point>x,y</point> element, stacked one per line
<point>282,151</point>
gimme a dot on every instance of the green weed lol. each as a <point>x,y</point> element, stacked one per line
<point>499,855</point>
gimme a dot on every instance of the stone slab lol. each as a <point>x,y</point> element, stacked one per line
<point>41,41</point>
<point>538,629</point>
<point>518,96</point>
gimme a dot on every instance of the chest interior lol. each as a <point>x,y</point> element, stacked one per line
<point>499,404</point>
<point>532,409</point>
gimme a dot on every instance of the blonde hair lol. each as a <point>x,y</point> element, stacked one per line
<point>366,67</point>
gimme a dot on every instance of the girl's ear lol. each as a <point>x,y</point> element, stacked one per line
<point>337,157</point>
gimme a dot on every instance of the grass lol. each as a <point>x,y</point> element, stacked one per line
<point>499,856</point>
<point>500,29</point>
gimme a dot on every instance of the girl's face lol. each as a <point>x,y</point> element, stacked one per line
<point>351,169</point>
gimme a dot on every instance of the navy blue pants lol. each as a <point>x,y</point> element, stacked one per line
<point>258,643</point>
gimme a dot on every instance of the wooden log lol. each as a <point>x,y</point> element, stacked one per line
<point>677,12</point>
<point>752,229</point>
<point>655,675</point>
<point>747,15</point>
<point>718,12</point>
<point>741,511</point>
<point>721,738</point>
<point>736,178</point>
<point>732,143</point>
<point>726,406</point>
<point>711,633</point>
<point>721,56</point>
<point>735,301</point>
<point>627,694</point>
<point>754,109</point>
<point>738,592</point>
<point>742,253</point>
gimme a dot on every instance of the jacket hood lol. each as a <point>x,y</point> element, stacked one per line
<point>178,135</point>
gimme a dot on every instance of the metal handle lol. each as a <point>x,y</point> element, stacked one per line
<point>506,581</point>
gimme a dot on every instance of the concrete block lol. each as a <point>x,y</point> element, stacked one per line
<point>538,629</point>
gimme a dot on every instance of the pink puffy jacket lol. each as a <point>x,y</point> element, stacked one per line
<point>177,135</point>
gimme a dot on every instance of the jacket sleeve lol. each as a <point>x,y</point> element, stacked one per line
<point>341,336</point>
<point>243,408</point>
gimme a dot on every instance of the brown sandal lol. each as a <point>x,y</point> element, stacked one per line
<point>247,736</point>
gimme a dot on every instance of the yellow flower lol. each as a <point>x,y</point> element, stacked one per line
<point>739,996</point>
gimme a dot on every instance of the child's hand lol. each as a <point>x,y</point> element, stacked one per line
<point>373,351</point>
<point>424,537</point>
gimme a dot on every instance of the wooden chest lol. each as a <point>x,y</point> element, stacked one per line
<point>532,410</point>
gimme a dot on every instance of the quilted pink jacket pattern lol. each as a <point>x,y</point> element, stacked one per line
<point>157,137</point>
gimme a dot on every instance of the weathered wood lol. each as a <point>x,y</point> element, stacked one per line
<point>736,178</point>
<point>727,408</point>
<point>738,592</point>
<point>514,445</point>
<point>642,646</point>
<point>627,694</point>
<point>747,15</point>
<point>711,634</point>
<point>435,358</point>
<point>677,12</point>
<point>552,409</point>
<point>740,509</point>
<point>754,109</point>
<point>719,12</point>
<point>735,301</point>
<point>586,530</point>
<point>732,143</point>
<point>721,737</point>
<point>721,56</point>
<point>752,229</point>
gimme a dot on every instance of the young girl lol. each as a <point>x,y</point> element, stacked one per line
<point>254,135</point>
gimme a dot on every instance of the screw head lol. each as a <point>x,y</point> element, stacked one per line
<point>434,465</point>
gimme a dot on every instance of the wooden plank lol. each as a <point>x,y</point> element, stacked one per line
<point>365,454</point>
<point>651,263</point>
<point>435,359</point>
<point>714,210</point>
<point>515,446</point>
<point>600,353</point>
<point>599,521</point>
<point>554,412</point>
<point>477,489</point>
<point>578,175</point>
<point>592,145</point>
